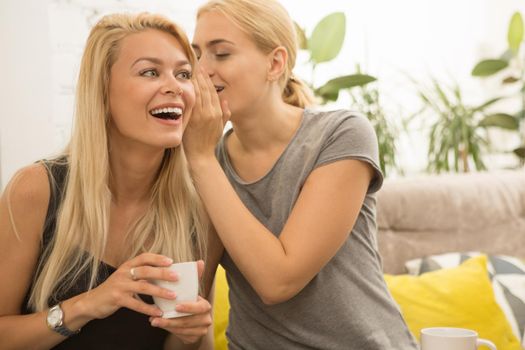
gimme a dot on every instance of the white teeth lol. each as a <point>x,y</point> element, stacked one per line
<point>175,110</point>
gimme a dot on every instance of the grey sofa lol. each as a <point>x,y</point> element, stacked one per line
<point>451,213</point>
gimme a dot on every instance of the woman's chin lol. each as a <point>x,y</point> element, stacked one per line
<point>173,144</point>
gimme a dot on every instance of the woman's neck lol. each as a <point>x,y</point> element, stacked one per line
<point>133,171</point>
<point>264,127</point>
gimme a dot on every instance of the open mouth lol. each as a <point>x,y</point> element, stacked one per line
<point>170,113</point>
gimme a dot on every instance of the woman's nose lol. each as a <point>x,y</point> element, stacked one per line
<point>207,64</point>
<point>171,86</point>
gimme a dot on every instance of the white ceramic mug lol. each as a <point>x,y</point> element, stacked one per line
<point>441,338</point>
<point>186,289</point>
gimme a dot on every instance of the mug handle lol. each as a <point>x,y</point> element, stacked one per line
<point>485,342</point>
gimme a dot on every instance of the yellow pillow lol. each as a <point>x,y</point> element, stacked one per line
<point>221,308</point>
<point>455,297</point>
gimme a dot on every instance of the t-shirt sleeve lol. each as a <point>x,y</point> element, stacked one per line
<point>353,137</point>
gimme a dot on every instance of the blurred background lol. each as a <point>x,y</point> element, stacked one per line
<point>441,80</point>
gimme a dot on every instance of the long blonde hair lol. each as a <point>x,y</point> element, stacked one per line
<point>174,225</point>
<point>269,26</point>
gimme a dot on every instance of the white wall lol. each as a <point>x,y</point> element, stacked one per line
<point>25,89</point>
<point>42,41</point>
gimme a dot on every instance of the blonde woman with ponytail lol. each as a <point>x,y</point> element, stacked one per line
<point>289,190</point>
<point>83,234</point>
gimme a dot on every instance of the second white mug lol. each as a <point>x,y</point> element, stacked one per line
<point>441,338</point>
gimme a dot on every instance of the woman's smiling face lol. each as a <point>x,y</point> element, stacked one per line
<point>150,91</point>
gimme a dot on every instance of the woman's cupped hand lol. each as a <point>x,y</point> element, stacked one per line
<point>209,115</point>
<point>122,287</point>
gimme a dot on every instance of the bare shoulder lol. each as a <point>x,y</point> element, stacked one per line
<point>23,208</point>
<point>26,197</point>
<point>29,186</point>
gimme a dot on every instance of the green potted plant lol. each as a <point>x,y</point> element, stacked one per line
<point>323,45</point>
<point>510,66</point>
<point>458,131</point>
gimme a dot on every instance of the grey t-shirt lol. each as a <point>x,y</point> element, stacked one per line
<point>347,304</point>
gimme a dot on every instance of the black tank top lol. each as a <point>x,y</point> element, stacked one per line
<point>125,329</point>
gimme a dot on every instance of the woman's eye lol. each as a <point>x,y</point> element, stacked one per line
<point>222,55</point>
<point>149,73</point>
<point>184,75</point>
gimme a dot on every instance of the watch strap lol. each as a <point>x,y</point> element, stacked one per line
<point>66,332</point>
<point>60,328</point>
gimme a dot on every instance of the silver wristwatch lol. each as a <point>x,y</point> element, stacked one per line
<point>55,321</point>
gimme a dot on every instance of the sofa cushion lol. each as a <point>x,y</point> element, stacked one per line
<point>506,273</point>
<point>454,297</point>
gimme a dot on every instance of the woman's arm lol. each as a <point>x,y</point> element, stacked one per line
<point>24,204</point>
<point>324,214</point>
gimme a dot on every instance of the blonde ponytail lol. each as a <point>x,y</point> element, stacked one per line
<point>297,93</point>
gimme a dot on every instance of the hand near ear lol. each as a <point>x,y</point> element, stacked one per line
<point>209,115</point>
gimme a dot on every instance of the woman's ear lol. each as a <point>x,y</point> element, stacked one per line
<point>277,60</point>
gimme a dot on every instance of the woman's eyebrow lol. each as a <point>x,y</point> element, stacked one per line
<point>214,42</point>
<point>158,61</point>
<point>150,59</point>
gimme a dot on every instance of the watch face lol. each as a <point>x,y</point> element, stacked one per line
<point>54,317</point>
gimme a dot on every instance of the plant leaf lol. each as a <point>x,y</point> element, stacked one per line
<point>486,104</point>
<point>488,67</point>
<point>442,95</point>
<point>520,152</point>
<point>302,42</point>
<point>332,87</point>
<point>507,56</point>
<point>329,96</point>
<point>327,38</point>
<point>515,33</point>
<point>500,120</point>
<point>510,80</point>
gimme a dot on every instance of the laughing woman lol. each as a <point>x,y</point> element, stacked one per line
<point>290,192</point>
<point>83,234</point>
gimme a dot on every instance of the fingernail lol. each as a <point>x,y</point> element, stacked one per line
<point>168,261</point>
<point>155,323</point>
<point>172,294</point>
<point>173,274</point>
